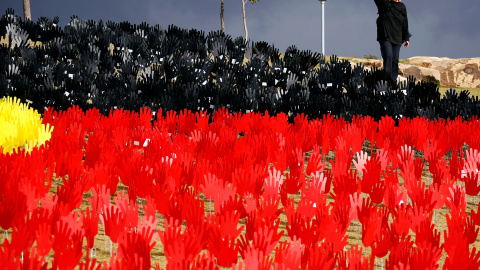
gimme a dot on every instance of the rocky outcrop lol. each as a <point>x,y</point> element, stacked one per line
<point>420,73</point>
<point>464,72</point>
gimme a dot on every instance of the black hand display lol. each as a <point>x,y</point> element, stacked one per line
<point>121,64</point>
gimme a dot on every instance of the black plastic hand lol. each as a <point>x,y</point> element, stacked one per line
<point>12,69</point>
<point>381,87</point>
<point>291,80</point>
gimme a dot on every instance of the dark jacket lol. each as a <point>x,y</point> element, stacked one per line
<point>392,22</point>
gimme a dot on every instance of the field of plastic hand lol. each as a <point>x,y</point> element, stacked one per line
<point>241,191</point>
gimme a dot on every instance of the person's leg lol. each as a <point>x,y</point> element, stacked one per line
<point>395,59</point>
<point>387,55</point>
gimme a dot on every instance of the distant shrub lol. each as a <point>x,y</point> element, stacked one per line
<point>370,56</point>
<point>432,79</point>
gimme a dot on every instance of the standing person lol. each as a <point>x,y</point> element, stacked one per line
<point>392,31</point>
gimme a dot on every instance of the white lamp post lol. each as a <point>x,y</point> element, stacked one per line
<point>323,26</point>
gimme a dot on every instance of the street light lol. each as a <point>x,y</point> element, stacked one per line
<point>323,26</point>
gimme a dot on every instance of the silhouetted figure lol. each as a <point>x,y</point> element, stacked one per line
<point>392,31</point>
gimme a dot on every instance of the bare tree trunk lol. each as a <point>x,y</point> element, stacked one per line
<point>221,17</point>
<point>27,14</point>
<point>244,20</point>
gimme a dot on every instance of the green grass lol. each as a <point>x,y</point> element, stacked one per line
<point>406,62</point>
<point>473,91</point>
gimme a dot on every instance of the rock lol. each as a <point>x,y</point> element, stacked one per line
<point>367,62</point>
<point>464,72</point>
<point>419,73</point>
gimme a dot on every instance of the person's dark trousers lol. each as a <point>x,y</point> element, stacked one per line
<point>390,55</point>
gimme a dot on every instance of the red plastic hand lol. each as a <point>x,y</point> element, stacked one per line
<point>180,247</point>
<point>432,152</point>
<point>383,157</point>
<point>250,203</point>
<point>426,233</point>
<point>362,158</point>
<point>347,183</point>
<point>225,250</point>
<point>266,238</point>
<point>228,223</point>
<point>22,239</point>
<point>32,260</point>
<point>90,264</point>
<point>382,243</point>
<point>294,181</point>
<point>356,201</point>
<point>355,258</point>
<point>321,257</point>
<point>150,208</point>
<point>402,219</point>
<point>255,259</point>
<point>471,232</point>
<point>437,196</point>
<point>472,159</point>
<point>30,199</point>
<point>172,240</point>
<point>418,216</point>
<point>399,251</point>
<point>163,195</point>
<point>69,256</point>
<point>289,254</point>
<point>211,186</point>
<point>44,239</point>
<point>426,256</point>
<point>456,165</point>
<point>336,236</point>
<point>316,188</point>
<point>146,228</point>
<point>315,164</point>
<point>100,199</point>
<point>456,246</point>
<point>204,261</point>
<point>298,227</point>
<point>391,177</point>
<point>371,227</point>
<point>90,226</point>
<point>378,190</point>
<point>474,259</point>
<point>355,136</point>
<point>456,198</point>
<point>406,155</point>
<point>129,211</point>
<point>113,221</point>
<point>272,184</point>
<point>12,208</point>
<point>269,210</point>
<point>472,186</point>
<point>371,174</point>
<point>135,250</point>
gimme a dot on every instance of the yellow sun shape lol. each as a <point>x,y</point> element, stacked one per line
<point>21,126</point>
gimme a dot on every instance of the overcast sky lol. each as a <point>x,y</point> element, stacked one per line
<point>441,28</point>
